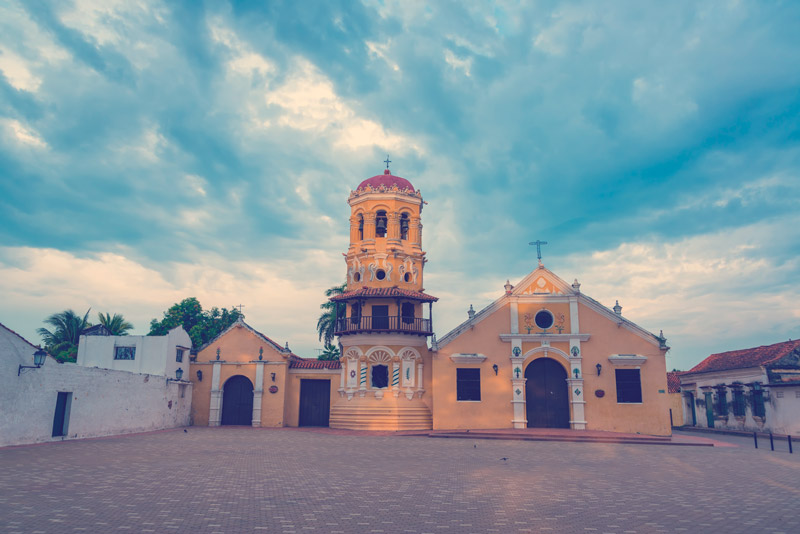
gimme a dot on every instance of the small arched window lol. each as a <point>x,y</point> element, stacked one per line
<point>404,226</point>
<point>380,224</point>
<point>360,227</point>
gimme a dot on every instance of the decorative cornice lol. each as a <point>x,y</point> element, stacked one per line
<point>627,359</point>
<point>459,357</point>
<point>545,337</point>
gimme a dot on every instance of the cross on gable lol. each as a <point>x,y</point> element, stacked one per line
<point>538,244</point>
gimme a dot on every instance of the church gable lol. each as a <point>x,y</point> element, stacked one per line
<point>242,343</point>
<point>542,282</point>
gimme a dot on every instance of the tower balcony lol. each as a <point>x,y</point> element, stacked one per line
<point>382,323</point>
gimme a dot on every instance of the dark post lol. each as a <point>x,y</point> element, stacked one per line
<point>771,443</point>
<point>755,439</point>
<point>789,441</point>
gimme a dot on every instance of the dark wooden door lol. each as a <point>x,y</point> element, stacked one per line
<point>60,417</point>
<point>237,401</point>
<point>694,413</point>
<point>546,395</point>
<point>380,317</point>
<point>315,402</point>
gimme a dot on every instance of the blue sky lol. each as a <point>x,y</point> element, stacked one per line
<point>151,151</point>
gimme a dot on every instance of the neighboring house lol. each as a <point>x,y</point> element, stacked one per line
<point>242,377</point>
<point>154,355</point>
<point>755,389</point>
<point>675,398</point>
<point>65,400</point>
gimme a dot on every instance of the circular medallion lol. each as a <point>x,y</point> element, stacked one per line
<point>352,374</point>
<point>273,389</point>
<point>543,319</point>
<point>599,393</point>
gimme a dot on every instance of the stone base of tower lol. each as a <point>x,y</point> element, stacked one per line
<point>388,413</point>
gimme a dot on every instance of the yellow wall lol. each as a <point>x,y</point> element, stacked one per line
<point>495,409</point>
<point>676,405</point>
<point>239,347</point>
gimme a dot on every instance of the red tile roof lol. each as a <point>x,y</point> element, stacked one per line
<point>739,359</point>
<point>390,292</point>
<point>674,381</point>
<point>387,179</point>
<point>296,362</point>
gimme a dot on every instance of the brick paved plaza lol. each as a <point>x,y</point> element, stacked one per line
<point>291,481</point>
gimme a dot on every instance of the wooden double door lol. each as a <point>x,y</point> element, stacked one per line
<point>237,401</point>
<point>315,402</point>
<point>546,394</point>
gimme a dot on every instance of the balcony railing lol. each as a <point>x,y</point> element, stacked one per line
<point>368,323</point>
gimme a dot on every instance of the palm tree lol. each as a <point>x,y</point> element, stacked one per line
<point>117,324</point>
<point>62,341</point>
<point>326,324</point>
<point>330,353</point>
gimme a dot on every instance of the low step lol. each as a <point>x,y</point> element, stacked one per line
<point>584,439</point>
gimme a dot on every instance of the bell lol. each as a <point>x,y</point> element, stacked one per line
<point>381,226</point>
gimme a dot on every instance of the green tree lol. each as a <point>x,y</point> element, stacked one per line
<point>326,324</point>
<point>62,340</point>
<point>115,324</point>
<point>331,352</point>
<point>202,326</point>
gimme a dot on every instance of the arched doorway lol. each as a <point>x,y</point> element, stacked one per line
<point>237,401</point>
<point>546,395</point>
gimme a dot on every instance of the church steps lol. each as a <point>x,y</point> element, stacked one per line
<point>648,440</point>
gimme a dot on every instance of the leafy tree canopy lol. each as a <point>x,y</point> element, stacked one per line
<point>202,326</point>
<point>62,340</point>
<point>326,324</point>
<point>331,352</point>
<point>115,324</point>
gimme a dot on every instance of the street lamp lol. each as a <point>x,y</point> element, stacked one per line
<point>39,357</point>
<point>178,375</point>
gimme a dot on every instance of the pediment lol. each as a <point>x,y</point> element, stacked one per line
<point>542,282</point>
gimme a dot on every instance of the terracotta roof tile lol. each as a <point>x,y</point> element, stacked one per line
<point>674,381</point>
<point>739,359</point>
<point>390,292</point>
<point>296,362</point>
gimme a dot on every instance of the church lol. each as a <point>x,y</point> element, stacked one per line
<point>543,354</point>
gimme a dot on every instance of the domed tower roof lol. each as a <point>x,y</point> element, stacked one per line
<point>388,180</point>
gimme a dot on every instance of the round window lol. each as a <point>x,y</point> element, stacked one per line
<point>381,274</point>
<point>357,277</point>
<point>407,277</point>
<point>544,319</point>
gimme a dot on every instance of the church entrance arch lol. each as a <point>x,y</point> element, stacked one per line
<point>546,394</point>
<point>237,401</point>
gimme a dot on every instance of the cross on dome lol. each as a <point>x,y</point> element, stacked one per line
<point>387,161</point>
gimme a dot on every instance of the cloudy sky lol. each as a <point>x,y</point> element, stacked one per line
<point>152,151</point>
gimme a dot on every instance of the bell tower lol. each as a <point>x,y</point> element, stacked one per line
<point>381,317</point>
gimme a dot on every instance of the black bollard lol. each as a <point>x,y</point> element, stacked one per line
<point>755,438</point>
<point>789,441</point>
<point>771,443</point>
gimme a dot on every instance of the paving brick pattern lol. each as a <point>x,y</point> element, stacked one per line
<point>284,481</point>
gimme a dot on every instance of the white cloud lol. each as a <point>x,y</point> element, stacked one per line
<point>457,63</point>
<point>281,299</point>
<point>17,72</point>
<point>22,133</point>
<point>381,50</point>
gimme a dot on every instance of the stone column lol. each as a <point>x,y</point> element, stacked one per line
<point>393,228</point>
<point>575,384</point>
<point>369,228</point>
<point>396,377</point>
<point>216,395</point>
<point>518,386</point>
<point>258,393</point>
<point>362,384</point>
<point>342,373</point>
<point>420,389</point>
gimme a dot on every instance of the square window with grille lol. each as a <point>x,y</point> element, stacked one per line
<point>722,402</point>
<point>629,385</point>
<point>758,403</point>
<point>124,353</point>
<point>178,355</point>
<point>468,384</point>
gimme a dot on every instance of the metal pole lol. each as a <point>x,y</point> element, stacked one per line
<point>789,440</point>
<point>771,443</point>
<point>755,438</point>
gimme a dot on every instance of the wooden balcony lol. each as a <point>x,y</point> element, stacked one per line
<point>368,323</point>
